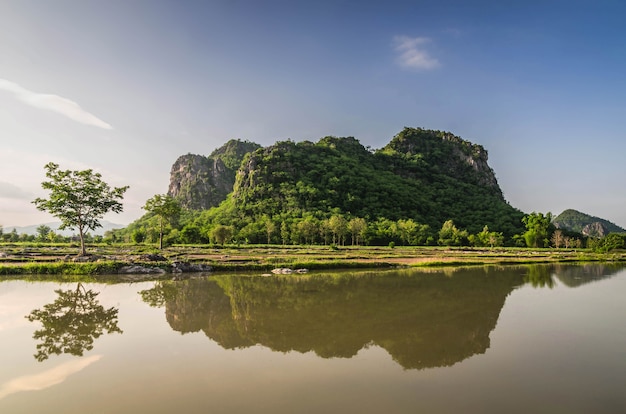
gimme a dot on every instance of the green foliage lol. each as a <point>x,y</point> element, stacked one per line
<point>486,238</point>
<point>166,208</point>
<point>449,235</point>
<point>80,199</point>
<point>404,181</point>
<point>538,229</point>
<point>337,191</point>
<point>71,323</point>
<point>222,234</point>
<point>573,220</point>
<point>612,241</point>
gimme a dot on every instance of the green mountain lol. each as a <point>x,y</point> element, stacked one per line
<point>424,175</point>
<point>585,224</point>
<point>289,192</point>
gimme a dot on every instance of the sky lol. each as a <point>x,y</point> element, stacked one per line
<point>126,87</point>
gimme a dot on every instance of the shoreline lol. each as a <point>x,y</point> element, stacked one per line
<point>19,260</point>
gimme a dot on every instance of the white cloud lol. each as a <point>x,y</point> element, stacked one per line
<point>53,103</point>
<point>412,53</point>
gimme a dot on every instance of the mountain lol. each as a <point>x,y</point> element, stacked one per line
<point>200,182</point>
<point>585,224</point>
<point>32,230</point>
<point>425,175</point>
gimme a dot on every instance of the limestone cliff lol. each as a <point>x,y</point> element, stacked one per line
<point>201,182</point>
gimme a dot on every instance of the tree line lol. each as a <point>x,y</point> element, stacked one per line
<point>81,198</point>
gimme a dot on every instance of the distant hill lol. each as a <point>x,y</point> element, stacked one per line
<point>32,230</point>
<point>585,224</point>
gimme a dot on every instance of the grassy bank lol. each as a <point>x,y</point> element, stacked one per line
<point>41,259</point>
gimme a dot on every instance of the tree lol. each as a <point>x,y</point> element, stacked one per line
<point>558,239</point>
<point>488,238</point>
<point>284,232</point>
<point>221,234</point>
<point>449,235</point>
<point>166,208</point>
<point>357,227</point>
<point>79,199</point>
<point>72,322</point>
<point>270,228</point>
<point>537,229</point>
<point>42,232</point>
<point>339,228</point>
<point>308,229</point>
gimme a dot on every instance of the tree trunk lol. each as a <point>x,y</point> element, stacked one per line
<point>161,234</point>
<point>83,252</point>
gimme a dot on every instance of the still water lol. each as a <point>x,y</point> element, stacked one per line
<point>543,339</point>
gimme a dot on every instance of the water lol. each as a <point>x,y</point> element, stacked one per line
<point>482,340</point>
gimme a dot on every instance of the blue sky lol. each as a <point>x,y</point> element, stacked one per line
<point>125,87</point>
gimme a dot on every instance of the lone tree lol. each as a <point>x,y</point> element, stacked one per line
<point>166,208</point>
<point>79,199</point>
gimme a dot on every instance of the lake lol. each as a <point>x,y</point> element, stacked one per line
<point>541,339</point>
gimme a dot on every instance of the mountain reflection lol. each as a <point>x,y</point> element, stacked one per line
<point>570,275</point>
<point>422,319</point>
<point>577,275</point>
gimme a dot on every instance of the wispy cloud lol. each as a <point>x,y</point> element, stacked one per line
<point>8,190</point>
<point>53,103</point>
<point>47,378</point>
<point>413,54</point>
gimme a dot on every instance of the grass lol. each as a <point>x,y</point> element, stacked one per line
<point>56,259</point>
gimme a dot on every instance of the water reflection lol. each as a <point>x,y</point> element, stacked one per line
<point>574,276</point>
<point>541,276</point>
<point>422,319</point>
<point>71,323</point>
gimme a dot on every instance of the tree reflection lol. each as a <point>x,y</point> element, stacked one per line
<point>71,323</point>
<point>159,294</point>
<point>540,276</point>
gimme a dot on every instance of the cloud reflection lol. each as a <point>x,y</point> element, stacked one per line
<point>47,378</point>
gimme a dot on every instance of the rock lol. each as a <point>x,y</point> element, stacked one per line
<point>200,182</point>
<point>153,258</point>
<point>595,229</point>
<point>185,267</point>
<point>85,259</point>
<point>302,270</point>
<point>282,271</point>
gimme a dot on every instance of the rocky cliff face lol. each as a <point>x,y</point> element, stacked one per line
<point>200,182</point>
<point>446,152</point>
<point>595,229</point>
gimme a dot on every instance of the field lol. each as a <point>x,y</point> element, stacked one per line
<point>17,258</point>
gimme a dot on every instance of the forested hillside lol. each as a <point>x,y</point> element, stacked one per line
<point>585,224</point>
<point>423,187</point>
<point>426,176</point>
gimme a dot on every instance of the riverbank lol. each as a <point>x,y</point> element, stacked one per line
<point>41,259</point>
